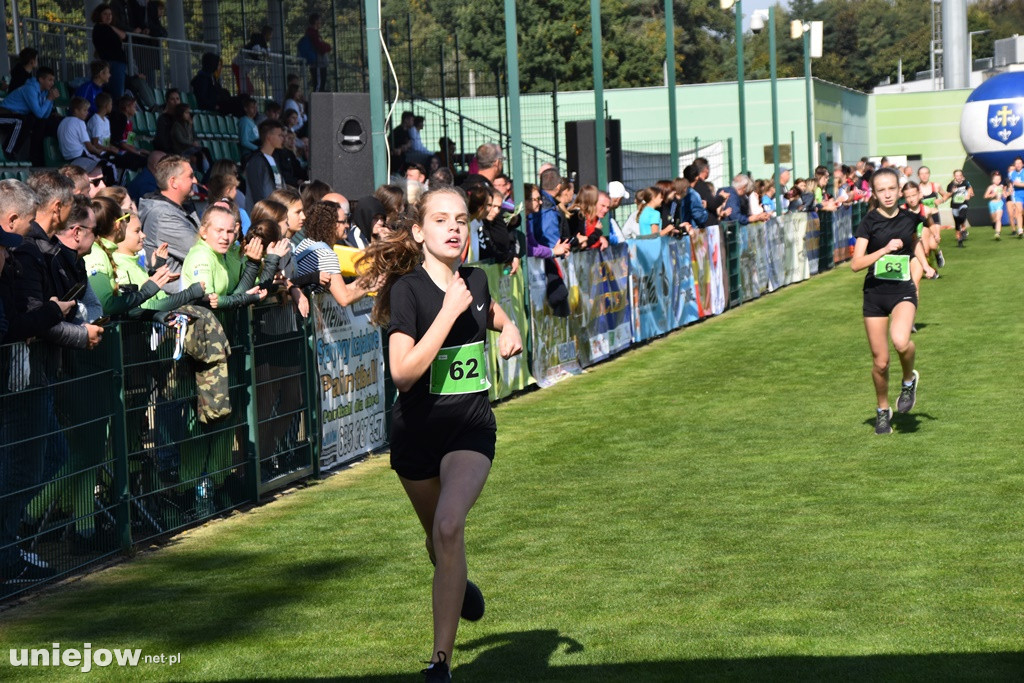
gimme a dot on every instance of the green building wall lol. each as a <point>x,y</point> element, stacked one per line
<point>925,124</point>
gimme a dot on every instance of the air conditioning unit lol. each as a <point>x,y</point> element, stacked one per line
<point>1009,51</point>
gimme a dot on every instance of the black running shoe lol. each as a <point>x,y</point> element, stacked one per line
<point>438,672</point>
<point>940,259</point>
<point>472,603</point>
<point>908,395</point>
<point>883,421</point>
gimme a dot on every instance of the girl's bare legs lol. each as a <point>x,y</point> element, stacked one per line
<point>442,505</point>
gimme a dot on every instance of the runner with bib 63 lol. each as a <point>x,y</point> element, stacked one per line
<point>887,246</point>
<point>443,431</point>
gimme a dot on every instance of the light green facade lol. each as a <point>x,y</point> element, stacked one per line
<point>925,124</point>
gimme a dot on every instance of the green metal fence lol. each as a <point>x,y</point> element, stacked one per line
<point>104,449</point>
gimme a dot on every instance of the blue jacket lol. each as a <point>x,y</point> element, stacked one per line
<point>692,211</point>
<point>736,203</point>
<point>546,223</point>
<point>89,91</point>
<point>29,99</point>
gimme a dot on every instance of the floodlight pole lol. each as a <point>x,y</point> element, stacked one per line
<point>810,102</point>
<point>378,135</point>
<point>775,103</point>
<point>601,145</point>
<point>670,71</point>
<point>739,81</point>
<point>515,126</point>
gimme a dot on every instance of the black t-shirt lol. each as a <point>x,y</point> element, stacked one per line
<point>108,44</point>
<point>879,231</point>
<point>415,303</point>
<point>959,192</point>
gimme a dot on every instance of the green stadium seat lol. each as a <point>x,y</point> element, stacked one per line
<point>4,161</point>
<point>64,98</point>
<point>201,124</point>
<point>51,153</point>
<point>190,100</point>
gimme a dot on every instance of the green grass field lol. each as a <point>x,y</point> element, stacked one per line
<point>713,505</point>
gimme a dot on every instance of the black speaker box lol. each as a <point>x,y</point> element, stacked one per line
<point>341,149</point>
<point>582,155</point>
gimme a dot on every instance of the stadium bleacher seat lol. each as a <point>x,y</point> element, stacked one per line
<point>51,153</point>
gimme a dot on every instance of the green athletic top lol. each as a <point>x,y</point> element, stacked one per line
<point>224,274</point>
<point>109,269</point>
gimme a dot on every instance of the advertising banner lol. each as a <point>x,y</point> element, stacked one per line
<point>701,260</point>
<point>775,253</point>
<point>684,291</point>
<point>599,303</point>
<point>508,290</point>
<point>716,258</point>
<point>750,283</point>
<point>553,351</point>
<point>651,287</point>
<point>842,226</point>
<point>812,238</point>
<point>350,365</point>
<point>794,228</point>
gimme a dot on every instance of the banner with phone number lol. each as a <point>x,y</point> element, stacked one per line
<point>350,369</point>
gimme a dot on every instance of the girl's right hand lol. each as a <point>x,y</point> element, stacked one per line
<point>213,299</point>
<point>894,245</point>
<point>254,250</point>
<point>325,279</point>
<point>280,248</point>
<point>560,249</point>
<point>161,276</point>
<point>162,252</point>
<point>457,298</point>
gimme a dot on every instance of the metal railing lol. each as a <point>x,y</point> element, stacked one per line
<point>67,48</point>
<point>264,74</point>
<point>165,62</point>
<point>104,449</point>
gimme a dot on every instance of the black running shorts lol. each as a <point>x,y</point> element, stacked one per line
<point>879,301</point>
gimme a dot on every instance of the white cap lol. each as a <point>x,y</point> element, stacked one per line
<point>617,190</point>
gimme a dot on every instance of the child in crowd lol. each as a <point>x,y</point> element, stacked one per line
<point>995,193</point>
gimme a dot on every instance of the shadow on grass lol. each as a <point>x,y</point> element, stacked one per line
<point>524,656</point>
<point>905,423</point>
<point>908,423</point>
<point>193,599</point>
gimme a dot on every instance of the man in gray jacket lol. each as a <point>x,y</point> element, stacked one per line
<point>164,218</point>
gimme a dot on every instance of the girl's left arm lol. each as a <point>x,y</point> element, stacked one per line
<point>510,342</point>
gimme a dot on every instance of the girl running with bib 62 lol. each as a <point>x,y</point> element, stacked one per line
<point>887,246</point>
<point>437,314</point>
